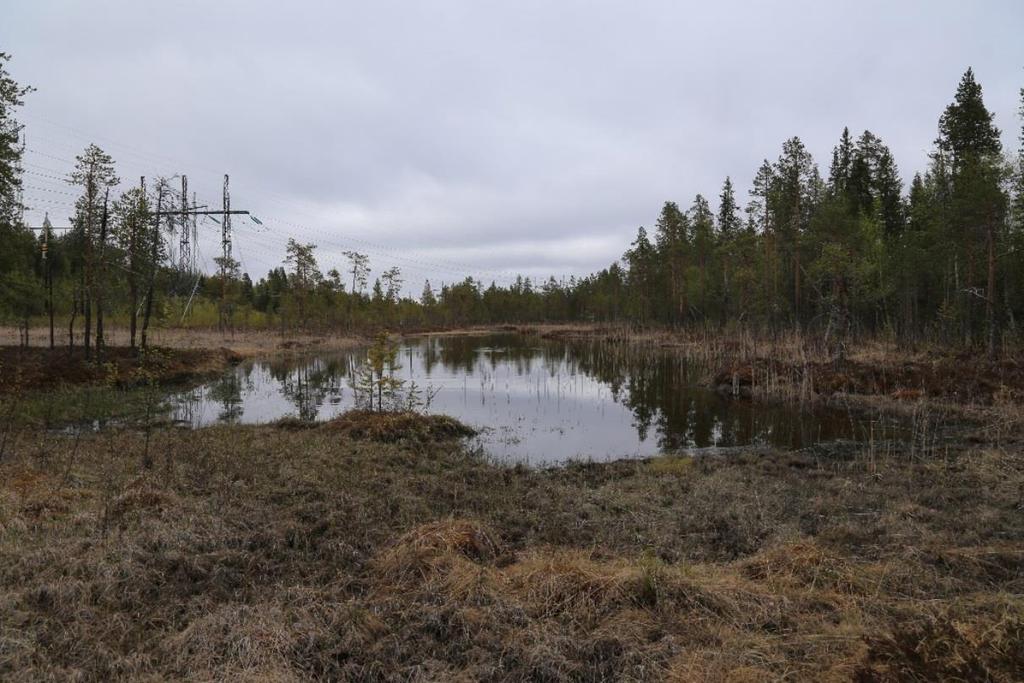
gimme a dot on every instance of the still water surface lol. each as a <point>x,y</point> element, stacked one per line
<point>537,400</point>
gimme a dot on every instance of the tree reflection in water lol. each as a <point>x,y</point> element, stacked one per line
<point>550,398</point>
<point>307,384</point>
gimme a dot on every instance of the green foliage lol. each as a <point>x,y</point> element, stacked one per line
<point>375,385</point>
<point>853,253</point>
<point>11,94</point>
<point>966,129</point>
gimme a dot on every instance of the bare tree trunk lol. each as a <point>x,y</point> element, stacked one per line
<point>990,293</point>
<point>49,299</point>
<point>154,253</point>
<point>723,318</point>
<point>87,311</point>
<point>133,295</point>
<point>87,267</point>
<point>71,324</point>
<point>100,342</point>
<point>133,276</point>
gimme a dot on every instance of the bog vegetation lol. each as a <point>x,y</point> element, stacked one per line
<point>374,548</point>
<point>858,250</point>
<point>378,546</point>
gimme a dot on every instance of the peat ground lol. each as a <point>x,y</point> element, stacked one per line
<point>41,369</point>
<point>381,548</point>
<point>284,553</point>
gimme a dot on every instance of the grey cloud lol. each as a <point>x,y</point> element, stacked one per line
<point>529,136</point>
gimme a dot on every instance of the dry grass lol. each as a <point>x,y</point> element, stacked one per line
<point>376,548</point>
<point>365,425</point>
<point>34,368</point>
<point>877,374</point>
<point>243,342</point>
<point>259,553</point>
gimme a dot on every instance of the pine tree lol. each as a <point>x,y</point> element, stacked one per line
<point>18,290</point>
<point>94,172</point>
<point>359,266</point>
<point>305,275</point>
<point>966,128</point>
<point>131,236</point>
<point>11,97</point>
<point>672,237</point>
<point>392,278</point>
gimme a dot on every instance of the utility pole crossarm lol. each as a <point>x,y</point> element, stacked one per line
<point>196,213</point>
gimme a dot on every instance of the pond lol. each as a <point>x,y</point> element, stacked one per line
<point>535,400</point>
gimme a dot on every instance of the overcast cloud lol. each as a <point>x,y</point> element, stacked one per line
<point>484,138</point>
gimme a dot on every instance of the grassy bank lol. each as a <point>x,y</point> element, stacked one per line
<point>381,548</point>
<point>367,551</point>
<point>243,342</point>
<point>52,387</point>
<point>42,369</point>
<point>876,373</point>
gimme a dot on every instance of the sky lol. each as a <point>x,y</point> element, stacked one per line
<point>472,137</point>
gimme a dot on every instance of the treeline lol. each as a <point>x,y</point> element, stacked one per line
<point>852,251</point>
<point>856,251</point>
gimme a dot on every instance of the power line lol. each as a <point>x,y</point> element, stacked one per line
<point>331,238</point>
<point>452,266</point>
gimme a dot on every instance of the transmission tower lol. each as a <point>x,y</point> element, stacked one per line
<point>194,266</point>
<point>225,229</point>
<point>184,245</point>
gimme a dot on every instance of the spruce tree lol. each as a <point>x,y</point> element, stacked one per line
<point>842,158</point>
<point>889,193</point>
<point>703,243</point>
<point>640,258</point>
<point>427,299</point>
<point>728,219</point>
<point>970,140</point>
<point>798,190</point>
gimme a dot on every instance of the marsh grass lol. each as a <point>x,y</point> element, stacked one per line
<point>264,553</point>
<point>383,547</point>
<point>246,342</point>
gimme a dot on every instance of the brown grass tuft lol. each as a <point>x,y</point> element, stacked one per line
<point>366,425</point>
<point>415,554</point>
<point>805,565</point>
<point>262,553</point>
<point>949,644</point>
